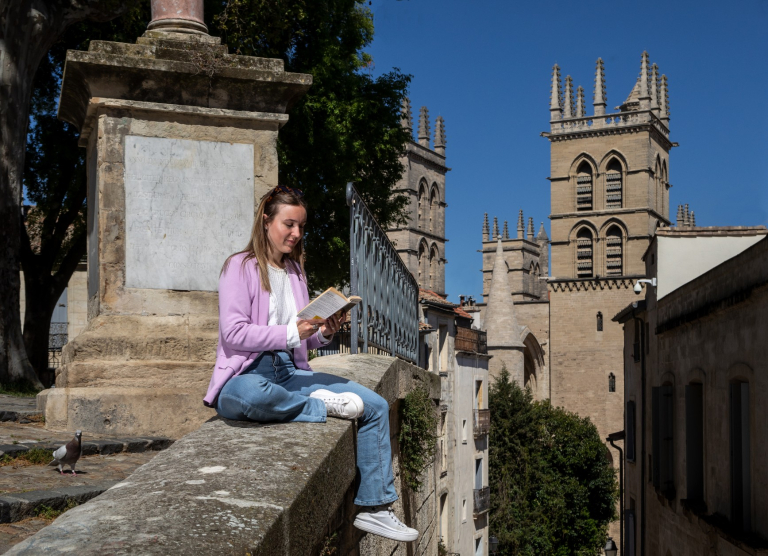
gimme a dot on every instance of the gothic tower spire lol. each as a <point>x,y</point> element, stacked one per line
<point>556,96</point>
<point>406,117</point>
<point>495,228</point>
<point>655,89</point>
<point>501,323</point>
<point>506,230</point>
<point>485,227</point>
<point>440,136</point>
<point>568,109</point>
<point>599,97</point>
<point>530,228</point>
<point>580,102</point>
<point>645,83</point>
<point>424,127</point>
<point>520,225</point>
<point>664,101</point>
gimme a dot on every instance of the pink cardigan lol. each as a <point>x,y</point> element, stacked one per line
<point>243,317</point>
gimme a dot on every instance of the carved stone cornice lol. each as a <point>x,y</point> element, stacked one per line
<point>593,284</point>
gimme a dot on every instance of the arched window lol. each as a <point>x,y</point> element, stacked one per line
<point>584,187</point>
<point>422,263</point>
<point>537,283</point>
<point>611,382</point>
<point>599,321</point>
<point>434,202</point>
<point>434,260</point>
<point>664,210</point>
<point>613,252</point>
<point>422,204</point>
<point>613,185</point>
<point>584,253</point>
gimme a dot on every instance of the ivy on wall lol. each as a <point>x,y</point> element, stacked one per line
<point>418,436</point>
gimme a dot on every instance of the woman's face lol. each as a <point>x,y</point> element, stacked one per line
<point>286,228</point>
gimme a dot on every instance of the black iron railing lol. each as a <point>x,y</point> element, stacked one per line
<point>388,317</point>
<point>482,498</point>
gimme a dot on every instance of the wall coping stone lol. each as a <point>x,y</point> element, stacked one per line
<point>234,487</point>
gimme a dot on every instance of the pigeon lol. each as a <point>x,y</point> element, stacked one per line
<point>69,453</point>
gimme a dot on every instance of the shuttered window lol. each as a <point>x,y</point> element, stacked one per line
<point>694,442</point>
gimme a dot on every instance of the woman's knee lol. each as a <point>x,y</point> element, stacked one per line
<point>377,405</point>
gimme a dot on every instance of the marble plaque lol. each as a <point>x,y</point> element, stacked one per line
<point>188,206</point>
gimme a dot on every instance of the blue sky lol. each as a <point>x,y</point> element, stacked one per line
<point>485,66</point>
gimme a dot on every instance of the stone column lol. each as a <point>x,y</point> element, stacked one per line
<point>180,140</point>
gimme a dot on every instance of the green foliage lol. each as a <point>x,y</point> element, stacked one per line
<point>46,512</point>
<point>19,389</point>
<point>35,456</point>
<point>418,436</point>
<point>346,128</point>
<point>553,490</point>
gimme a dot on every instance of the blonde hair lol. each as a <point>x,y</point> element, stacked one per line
<point>258,247</point>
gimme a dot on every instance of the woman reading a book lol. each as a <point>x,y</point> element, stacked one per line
<point>262,373</point>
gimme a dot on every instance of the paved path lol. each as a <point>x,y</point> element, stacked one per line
<point>24,487</point>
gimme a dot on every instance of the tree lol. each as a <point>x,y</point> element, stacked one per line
<point>553,490</point>
<point>28,28</point>
<point>54,240</point>
<point>346,128</point>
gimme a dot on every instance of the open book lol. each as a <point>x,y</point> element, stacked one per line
<point>327,304</point>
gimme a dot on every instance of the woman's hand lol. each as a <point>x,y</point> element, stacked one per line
<point>307,328</point>
<point>332,324</point>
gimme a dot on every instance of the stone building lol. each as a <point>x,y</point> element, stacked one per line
<point>609,192</point>
<point>421,240</point>
<point>457,353</point>
<point>696,448</point>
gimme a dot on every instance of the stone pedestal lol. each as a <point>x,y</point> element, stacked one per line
<point>181,147</point>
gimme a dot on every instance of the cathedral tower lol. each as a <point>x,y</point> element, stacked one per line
<point>609,192</point>
<point>421,241</point>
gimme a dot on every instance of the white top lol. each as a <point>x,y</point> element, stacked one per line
<point>282,306</point>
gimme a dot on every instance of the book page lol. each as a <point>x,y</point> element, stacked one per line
<point>324,306</point>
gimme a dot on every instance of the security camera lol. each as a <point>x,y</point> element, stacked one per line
<point>639,284</point>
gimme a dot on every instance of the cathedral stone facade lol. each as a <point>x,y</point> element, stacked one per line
<point>421,240</point>
<point>609,193</point>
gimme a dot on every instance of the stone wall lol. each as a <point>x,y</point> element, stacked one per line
<point>233,487</point>
<point>710,331</point>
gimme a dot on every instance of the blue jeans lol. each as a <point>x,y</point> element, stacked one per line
<point>272,389</point>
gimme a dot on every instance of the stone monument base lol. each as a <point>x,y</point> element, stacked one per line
<point>135,375</point>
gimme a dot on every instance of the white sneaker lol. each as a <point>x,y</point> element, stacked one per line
<point>346,405</point>
<point>383,521</point>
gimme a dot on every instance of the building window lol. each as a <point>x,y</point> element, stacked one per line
<point>611,382</point>
<point>422,263</point>
<point>663,449</point>
<point>479,548</point>
<point>433,262</point>
<point>422,204</point>
<point>613,185</point>
<point>478,473</point>
<point>584,253</point>
<point>463,431</point>
<point>630,437</point>
<point>443,442</point>
<point>464,509</point>
<point>434,203</point>
<point>599,321</point>
<point>629,528</point>
<point>613,252</point>
<point>741,477</point>
<point>694,442</point>
<point>584,187</point>
<point>443,518</point>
